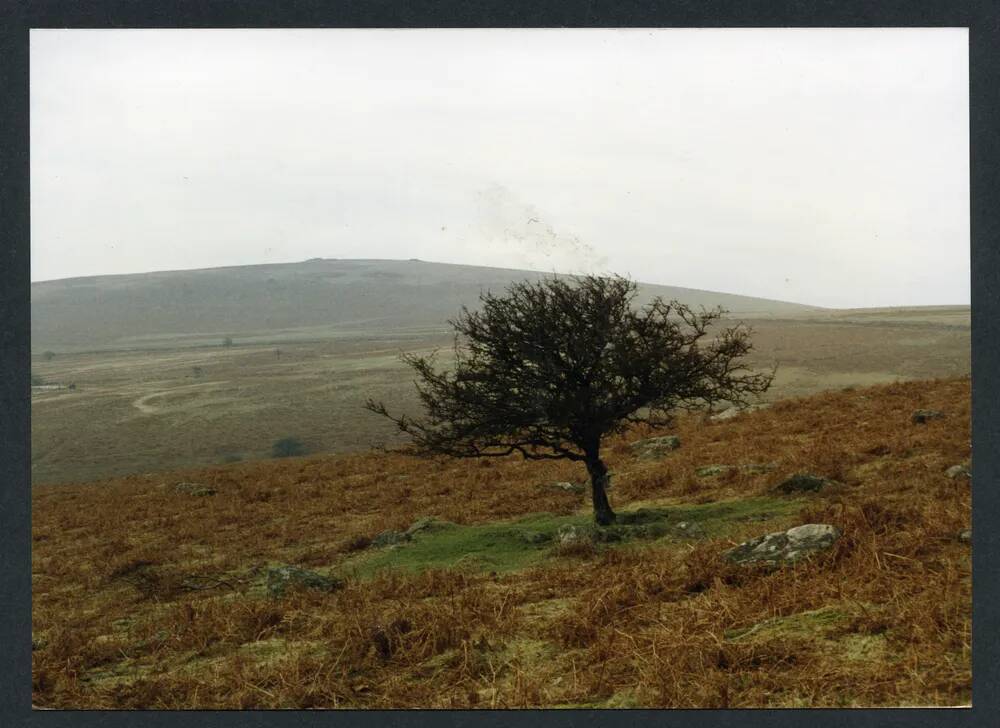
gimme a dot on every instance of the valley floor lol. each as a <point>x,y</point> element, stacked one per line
<point>151,594</point>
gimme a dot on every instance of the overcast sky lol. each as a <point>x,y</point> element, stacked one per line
<point>827,167</point>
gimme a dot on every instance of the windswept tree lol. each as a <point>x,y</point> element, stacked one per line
<point>553,367</point>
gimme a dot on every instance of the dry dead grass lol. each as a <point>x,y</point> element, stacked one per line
<point>144,597</point>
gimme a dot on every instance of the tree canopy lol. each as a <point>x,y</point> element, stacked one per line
<point>552,367</point>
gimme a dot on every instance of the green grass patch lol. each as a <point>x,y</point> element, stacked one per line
<point>518,544</point>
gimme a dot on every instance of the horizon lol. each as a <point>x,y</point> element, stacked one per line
<point>791,164</point>
<point>492,267</point>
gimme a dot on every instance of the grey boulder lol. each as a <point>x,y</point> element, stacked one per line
<point>568,534</point>
<point>279,579</point>
<point>785,547</point>
<point>732,412</point>
<point>802,483</point>
<point>958,471</point>
<point>655,447</point>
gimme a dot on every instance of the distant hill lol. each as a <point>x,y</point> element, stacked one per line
<point>320,294</point>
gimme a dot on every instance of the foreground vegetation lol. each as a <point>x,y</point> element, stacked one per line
<point>151,595</point>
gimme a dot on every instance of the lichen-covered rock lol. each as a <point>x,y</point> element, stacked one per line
<point>655,447</point>
<point>958,471</point>
<point>732,412</point>
<point>965,535</point>
<point>802,483</point>
<point>653,530</point>
<point>608,534</point>
<point>535,537</point>
<point>566,487</point>
<point>709,471</point>
<point>567,534</point>
<point>687,529</point>
<point>785,547</point>
<point>195,489</point>
<point>923,416</point>
<point>280,579</point>
<point>390,538</point>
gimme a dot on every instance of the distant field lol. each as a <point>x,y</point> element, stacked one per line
<point>150,409</point>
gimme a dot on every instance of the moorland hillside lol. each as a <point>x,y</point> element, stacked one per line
<point>289,300</point>
<point>378,580</point>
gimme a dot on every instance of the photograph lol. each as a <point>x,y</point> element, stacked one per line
<point>500,368</point>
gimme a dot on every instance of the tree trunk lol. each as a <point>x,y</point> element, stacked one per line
<point>599,490</point>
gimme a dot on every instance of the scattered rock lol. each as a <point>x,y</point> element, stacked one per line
<point>535,537</point>
<point>958,471</point>
<point>686,529</point>
<point>965,535</point>
<point>566,487</point>
<point>428,523</point>
<point>390,538</point>
<point>195,489</point>
<point>785,547</point>
<point>728,414</point>
<point>567,534</point>
<point>655,447</point>
<point>278,579</point>
<point>802,483</point>
<point>640,516</point>
<point>651,530</point>
<point>608,534</point>
<point>708,471</point>
<point>923,416</point>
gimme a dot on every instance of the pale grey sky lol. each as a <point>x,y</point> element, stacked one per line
<point>825,166</point>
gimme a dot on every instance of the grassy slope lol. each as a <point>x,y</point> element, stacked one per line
<point>312,299</point>
<point>140,411</point>
<point>145,597</point>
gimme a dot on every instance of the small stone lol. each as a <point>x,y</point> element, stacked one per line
<point>958,471</point>
<point>802,483</point>
<point>195,489</point>
<point>732,412</point>
<point>655,447</point>
<point>965,535</point>
<point>923,416</point>
<point>651,530</point>
<point>606,535</point>
<point>535,537</point>
<point>686,529</point>
<point>566,487</point>
<point>278,579</point>
<point>567,534</point>
<point>708,471</point>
